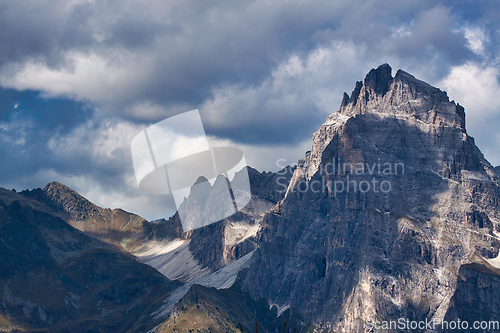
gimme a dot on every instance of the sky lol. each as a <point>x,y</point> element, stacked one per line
<point>79,79</point>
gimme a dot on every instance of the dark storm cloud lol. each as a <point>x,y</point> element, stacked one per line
<point>191,47</point>
<point>87,75</point>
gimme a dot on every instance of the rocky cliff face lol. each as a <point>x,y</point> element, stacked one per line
<point>220,244</point>
<point>476,296</point>
<point>379,217</point>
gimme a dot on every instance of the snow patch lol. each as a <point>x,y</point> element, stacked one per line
<point>281,309</point>
<point>236,233</point>
<point>173,259</point>
<point>221,279</point>
<point>224,278</point>
<point>495,262</point>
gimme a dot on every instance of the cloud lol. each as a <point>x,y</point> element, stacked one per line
<point>90,77</point>
<point>476,86</point>
<point>80,78</point>
<point>290,104</point>
<point>476,38</point>
<point>94,159</point>
<point>122,53</point>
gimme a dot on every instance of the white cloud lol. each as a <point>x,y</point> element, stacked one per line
<point>299,86</point>
<point>100,141</point>
<point>476,38</point>
<point>476,87</point>
<point>88,77</point>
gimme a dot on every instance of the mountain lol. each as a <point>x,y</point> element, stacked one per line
<point>116,226</point>
<point>55,278</point>
<point>212,247</point>
<point>209,257</point>
<point>392,214</point>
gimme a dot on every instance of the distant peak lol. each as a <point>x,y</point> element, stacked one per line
<point>57,191</point>
<point>55,184</point>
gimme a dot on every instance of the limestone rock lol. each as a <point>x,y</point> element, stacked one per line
<point>379,217</point>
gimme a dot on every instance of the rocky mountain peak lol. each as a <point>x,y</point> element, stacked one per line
<point>71,202</point>
<point>200,180</point>
<point>402,95</point>
<point>342,250</point>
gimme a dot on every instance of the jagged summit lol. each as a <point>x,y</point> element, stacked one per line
<point>402,94</point>
<point>379,79</point>
<point>57,185</point>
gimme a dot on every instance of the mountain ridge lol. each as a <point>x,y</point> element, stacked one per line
<point>56,278</point>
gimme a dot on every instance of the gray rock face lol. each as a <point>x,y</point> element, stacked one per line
<point>219,244</point>
<point>199,252</point>
<point>475,297</point>
<point>379,217</point>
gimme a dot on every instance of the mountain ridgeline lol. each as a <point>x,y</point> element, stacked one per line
<point>393,213</point>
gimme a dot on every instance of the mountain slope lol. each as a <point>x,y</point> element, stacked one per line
<point>212,310</point>
<point>115,226</point>
<point>54,278</point>
<point>379,217</point>
<point>209,248</point>
<point>191,255</point>
<point>211,256</point>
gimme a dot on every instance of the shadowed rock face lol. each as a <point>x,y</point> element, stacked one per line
<point>476,296</point>
<point>341,257</point>
<point>55,278</point>
<point>221,243</point>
